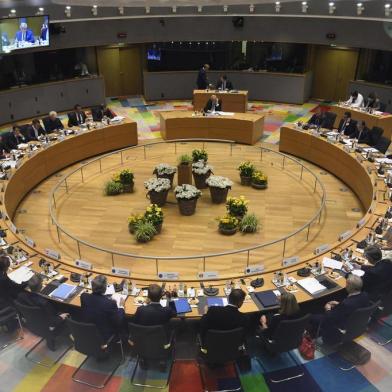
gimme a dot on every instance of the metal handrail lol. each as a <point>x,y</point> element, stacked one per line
<point>112,252</point>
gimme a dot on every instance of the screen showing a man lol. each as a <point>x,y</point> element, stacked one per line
<point>24,34</point>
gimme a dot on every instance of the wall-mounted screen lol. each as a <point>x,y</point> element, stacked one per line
<point>23,33</point>
<point>154,54</point>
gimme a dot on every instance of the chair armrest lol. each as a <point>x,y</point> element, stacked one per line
<point>7,310</point>
<point>170,342</point>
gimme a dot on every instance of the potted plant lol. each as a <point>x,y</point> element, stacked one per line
<point>126,177</point>
<point>113,188</point>
<point>249,223</point>
<point>133,220</point>
<point>259,180</point>
<point>228,224</point>
<point>201,171</point>
<point>144,231</point>
<point>157,190</point>
<point>237,206</point>
<point>246,170</point>
<point>184,169</point>
<point>187,196</point>
<point>199,155</point>
<point>219,187</point>
<point>154,214</point>
<point>164,170</point>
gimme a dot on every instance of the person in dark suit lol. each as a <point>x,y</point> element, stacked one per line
<point>153,313</point>
<point>213,104</point>
<point>15,138</point>
<point>102,311</point>
<point>35,130</point>
<point>224,83</point>
<point>337,313</point>
<point>373,102</point>
<point>202,79</point>
<point>318,119</point>
<point>76,118</point>
<point>227,317</point>
<point>4,149</point>
<point>99,112</point>
<point>346,125</point>
<point>361,133</point>
<point>52,122</point>
<point>289,310</point>
<point>44,34</point>
<point>377,280</point>
<point>24,34</point>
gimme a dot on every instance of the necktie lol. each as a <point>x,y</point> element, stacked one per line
<point>23,36</point>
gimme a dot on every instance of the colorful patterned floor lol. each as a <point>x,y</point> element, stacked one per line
<point>321,374</point>
<point>146,114</point>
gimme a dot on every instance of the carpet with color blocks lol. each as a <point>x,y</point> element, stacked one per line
<point>320,374</point>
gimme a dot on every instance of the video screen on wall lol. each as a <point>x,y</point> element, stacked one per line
<point>23,33</point>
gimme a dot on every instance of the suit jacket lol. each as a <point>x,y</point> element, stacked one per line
<point>74,119</point>
<point>229,85</point>
<point>348,128</point>
<point>202,81</point>
<point>153,314</point>
<point>377,280</point>
<point>318,120</point>
<point>3,147</point>
<point>31,133</point>
<point>12,141</point>
<point>223,319</point>
<point>363,137</point>
<point>208,106</point>
<point>103,312</point>
<point>98,114</point>
<point>29,36</point>
<point>51,125</point>
<point>274,322</point>
<point>9,290</point>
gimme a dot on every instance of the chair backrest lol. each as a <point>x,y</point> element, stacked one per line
<point>223,346</point>
<point>357,322</point>
<point>329,120</point>
<point>288,335</point>
<point>383,106</point>
<point>386,304</point>
<point>149,342</point>
<point>375,134</point>
<point>36,319</point>
<point>383,144</point>
<point>86,337</point>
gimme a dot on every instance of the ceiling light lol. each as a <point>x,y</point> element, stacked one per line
<point>94,10</point>
<point>225,8</point>
<point>40,11</point>
<point>277,6</point>
<point>148,9</point>
<point>12,12</point>
<point>304,7</point>
<point>360,8</point>
<point>174,9</point>
<point>121,10</point>
<point>331,7</point>
<point>251,8</point>
<point>199,8</point>
<point>68,11</point>
<point>387,8</point>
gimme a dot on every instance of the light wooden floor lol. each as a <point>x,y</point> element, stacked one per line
<point>284,207</point>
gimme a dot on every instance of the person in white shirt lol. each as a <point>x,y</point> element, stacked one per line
<point>356,100</point>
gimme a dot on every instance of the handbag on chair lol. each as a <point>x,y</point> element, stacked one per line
<point>307,347</point>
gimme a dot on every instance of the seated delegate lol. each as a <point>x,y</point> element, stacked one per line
<point>356,100</point>
<point>77,117</point>
<point>224,84</point>
<point>318,119</point>
<point>361,133</point>
<point>214,104</point>
<point>35,130</point>
<point>15,138</point>
<point>52,122</point>
<point>373,102</point>
<point>347,125</point>
<point>100,112</point>
<point>4,149</point>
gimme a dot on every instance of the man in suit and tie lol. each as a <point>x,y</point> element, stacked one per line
<point>24,34</point>
<point>347,126</point>
<point>99,112</point>
<point>15,138</point>
<point>35,130</point>
<point>202,79</point>
<point>76,118</point>
<point>213,105</point>
<point>318,119</point>
<point>4,149</point>
<point>52,122</point>
<point>361,133</point>
<point>224,83</point>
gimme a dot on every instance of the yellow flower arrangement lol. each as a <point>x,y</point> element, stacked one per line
<point>154,214</point>
<point>259,177</point>
<point>228,222</point>
<point>237,206</point>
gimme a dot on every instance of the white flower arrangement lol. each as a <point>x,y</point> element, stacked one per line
<point>219,182</point>
<point>201,167</point>
<point>157,184</point>
<point>164,168</point>
<point>187,192</point>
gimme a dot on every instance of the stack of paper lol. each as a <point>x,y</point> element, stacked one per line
<point>22,274</point>
<point>311,285</point>
<point>331,263</point>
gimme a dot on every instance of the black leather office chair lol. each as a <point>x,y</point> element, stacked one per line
<point>10,315</point>
<point>151,343</point>
<point>329,120</point>
<point>221,347</point>
<point>36,321</point>
<point>383,106</point>
<point>287,337</point>
<point>383,144</point>
<point>88,341</point>
<point>374,136</point>
<point>384,309</point>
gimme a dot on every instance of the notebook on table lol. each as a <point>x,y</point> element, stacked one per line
<point>216,301</point>
<point>181,305</point>
<point>267,298</point>
<point>63,292</point>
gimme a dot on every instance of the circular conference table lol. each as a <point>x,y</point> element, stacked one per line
<point>359,175</point>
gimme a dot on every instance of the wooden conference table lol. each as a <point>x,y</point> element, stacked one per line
<point>231,101</point>
<point>369,187</point>
<point>243,128</point>
<point>383,121</point>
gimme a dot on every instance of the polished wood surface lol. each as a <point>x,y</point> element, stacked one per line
<point>244,128</point>
<point>231,101</point>
<point>383,121</point>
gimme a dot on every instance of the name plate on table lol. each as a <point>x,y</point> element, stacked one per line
<point>52,253</point>
<point>321,249</point>
<point>83,264</point>
<point>121,271</point>
<point>360,158</point>
<point>18,163</point>
<point>290,261</point>
<point>30,242</point>
<point>168,275</point>
<point>208,275</point>
<point>345,235</point>
<point>254,269</point>
<point>13,228</point>
<point>361,222</point>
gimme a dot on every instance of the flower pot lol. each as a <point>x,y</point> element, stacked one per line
<point>168,176</point>
<point>143,241</point>
<point>131,227</point>
<point>218,195</point>
<point>158,227</point>
<point>187,206</point>
<point>128,188</point>
<point>158,198</point>
<point>227,231</point>
<point>246,180</point>
<point>184,174</point>
<point>200,180</point>
<point>260,186</point>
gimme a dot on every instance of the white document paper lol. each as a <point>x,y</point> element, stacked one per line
<point>311,285</point>
<point>331,263</point>
<point>22,274</point>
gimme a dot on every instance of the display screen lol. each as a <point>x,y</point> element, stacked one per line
<point>23,33</point>
<point>154,54</point>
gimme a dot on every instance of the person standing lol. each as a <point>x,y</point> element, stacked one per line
<point>202,79</point>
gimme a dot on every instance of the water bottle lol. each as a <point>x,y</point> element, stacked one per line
<point>125,288</point>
